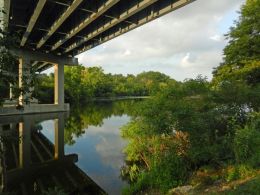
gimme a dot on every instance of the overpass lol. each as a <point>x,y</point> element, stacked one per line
<point>53,32</point>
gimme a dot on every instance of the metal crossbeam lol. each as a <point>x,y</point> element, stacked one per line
<point>43,64</point>
<point>59,22</point>
<point>133,10</point>
<point>34,63</point>
<point>85,23</point>
<point>153,15</point>
<point>32,21</point>
<point>98,23</point>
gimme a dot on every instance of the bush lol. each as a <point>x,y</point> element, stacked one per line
<point>247,142</point>
<point>239,172</point>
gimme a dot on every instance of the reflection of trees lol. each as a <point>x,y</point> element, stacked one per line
<point>93,113</point>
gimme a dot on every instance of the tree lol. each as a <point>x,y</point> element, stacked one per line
<point>9,65</point>
<point>244,37</point>
<point>44,88</point>
<point>8,62</point>
<point>242,54</point>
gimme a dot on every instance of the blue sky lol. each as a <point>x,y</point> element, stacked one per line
<point>182,44</point>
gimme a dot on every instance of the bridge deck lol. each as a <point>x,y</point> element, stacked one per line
<point>70,27</point>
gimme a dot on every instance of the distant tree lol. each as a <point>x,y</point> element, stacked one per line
<point>153,81</point>
<point>44,88</point>
<point>83,84</point>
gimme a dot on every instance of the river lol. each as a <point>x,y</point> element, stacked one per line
<point>91,135</point>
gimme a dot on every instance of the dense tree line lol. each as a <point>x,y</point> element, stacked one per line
<point>83,84</point>
<point>199,132</point>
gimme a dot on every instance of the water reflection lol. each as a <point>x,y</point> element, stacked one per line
<point>94,114</point>
<point>56,150</point>
<point>32,164</point>
<point>97,140</point>
<point>100,153</point>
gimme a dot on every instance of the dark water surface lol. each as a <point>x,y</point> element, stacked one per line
<point>79,154</point>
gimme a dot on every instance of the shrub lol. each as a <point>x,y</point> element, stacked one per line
<point>239,172</point>
<point>247,142</point>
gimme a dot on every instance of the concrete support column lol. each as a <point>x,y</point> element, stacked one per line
<point>59,137</point>
<point>59,84</point>
<point>24,79</point>
<point>25,143</point>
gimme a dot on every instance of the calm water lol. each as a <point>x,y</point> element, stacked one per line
<point>91,134</point>
<point>100,146</point>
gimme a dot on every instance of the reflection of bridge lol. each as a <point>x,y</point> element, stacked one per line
<point>32,164</point>
<point>54,31</point>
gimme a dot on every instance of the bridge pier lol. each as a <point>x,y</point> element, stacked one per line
<point>59,84</point>
<point>58,61</point>
<point>30,61</point>
<point>25,79</point>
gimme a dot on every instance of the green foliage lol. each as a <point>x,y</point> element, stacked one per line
<point>247,142</point>
<point>244,39</point>
<point>251,187</point>
<point>242,54</point>
<point>93,113</point>
<point>8,63</point>
<point>249,72</point>
<point>190,126</point>
<point>239,171</point>
<point>83,84</point>
<point>209,124</point>
<point>157,155</point>
<point>44,88</point>
<point>9,67</point>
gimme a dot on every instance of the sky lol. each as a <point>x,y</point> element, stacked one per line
<point>182,44</point>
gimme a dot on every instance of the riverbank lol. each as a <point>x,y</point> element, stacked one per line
<point>119,98</point>
<point>247,185</point>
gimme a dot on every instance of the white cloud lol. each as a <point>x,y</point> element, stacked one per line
<point>216,37</point>
<point>185,62</point>
<point>111,154</point>
<point>127,52</point>
<point>182,44</point>
<point>218,18</point>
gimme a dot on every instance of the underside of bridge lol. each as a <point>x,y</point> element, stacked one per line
<point>52,32</point>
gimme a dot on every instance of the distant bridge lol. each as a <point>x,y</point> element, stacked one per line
<point>54,31</point>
